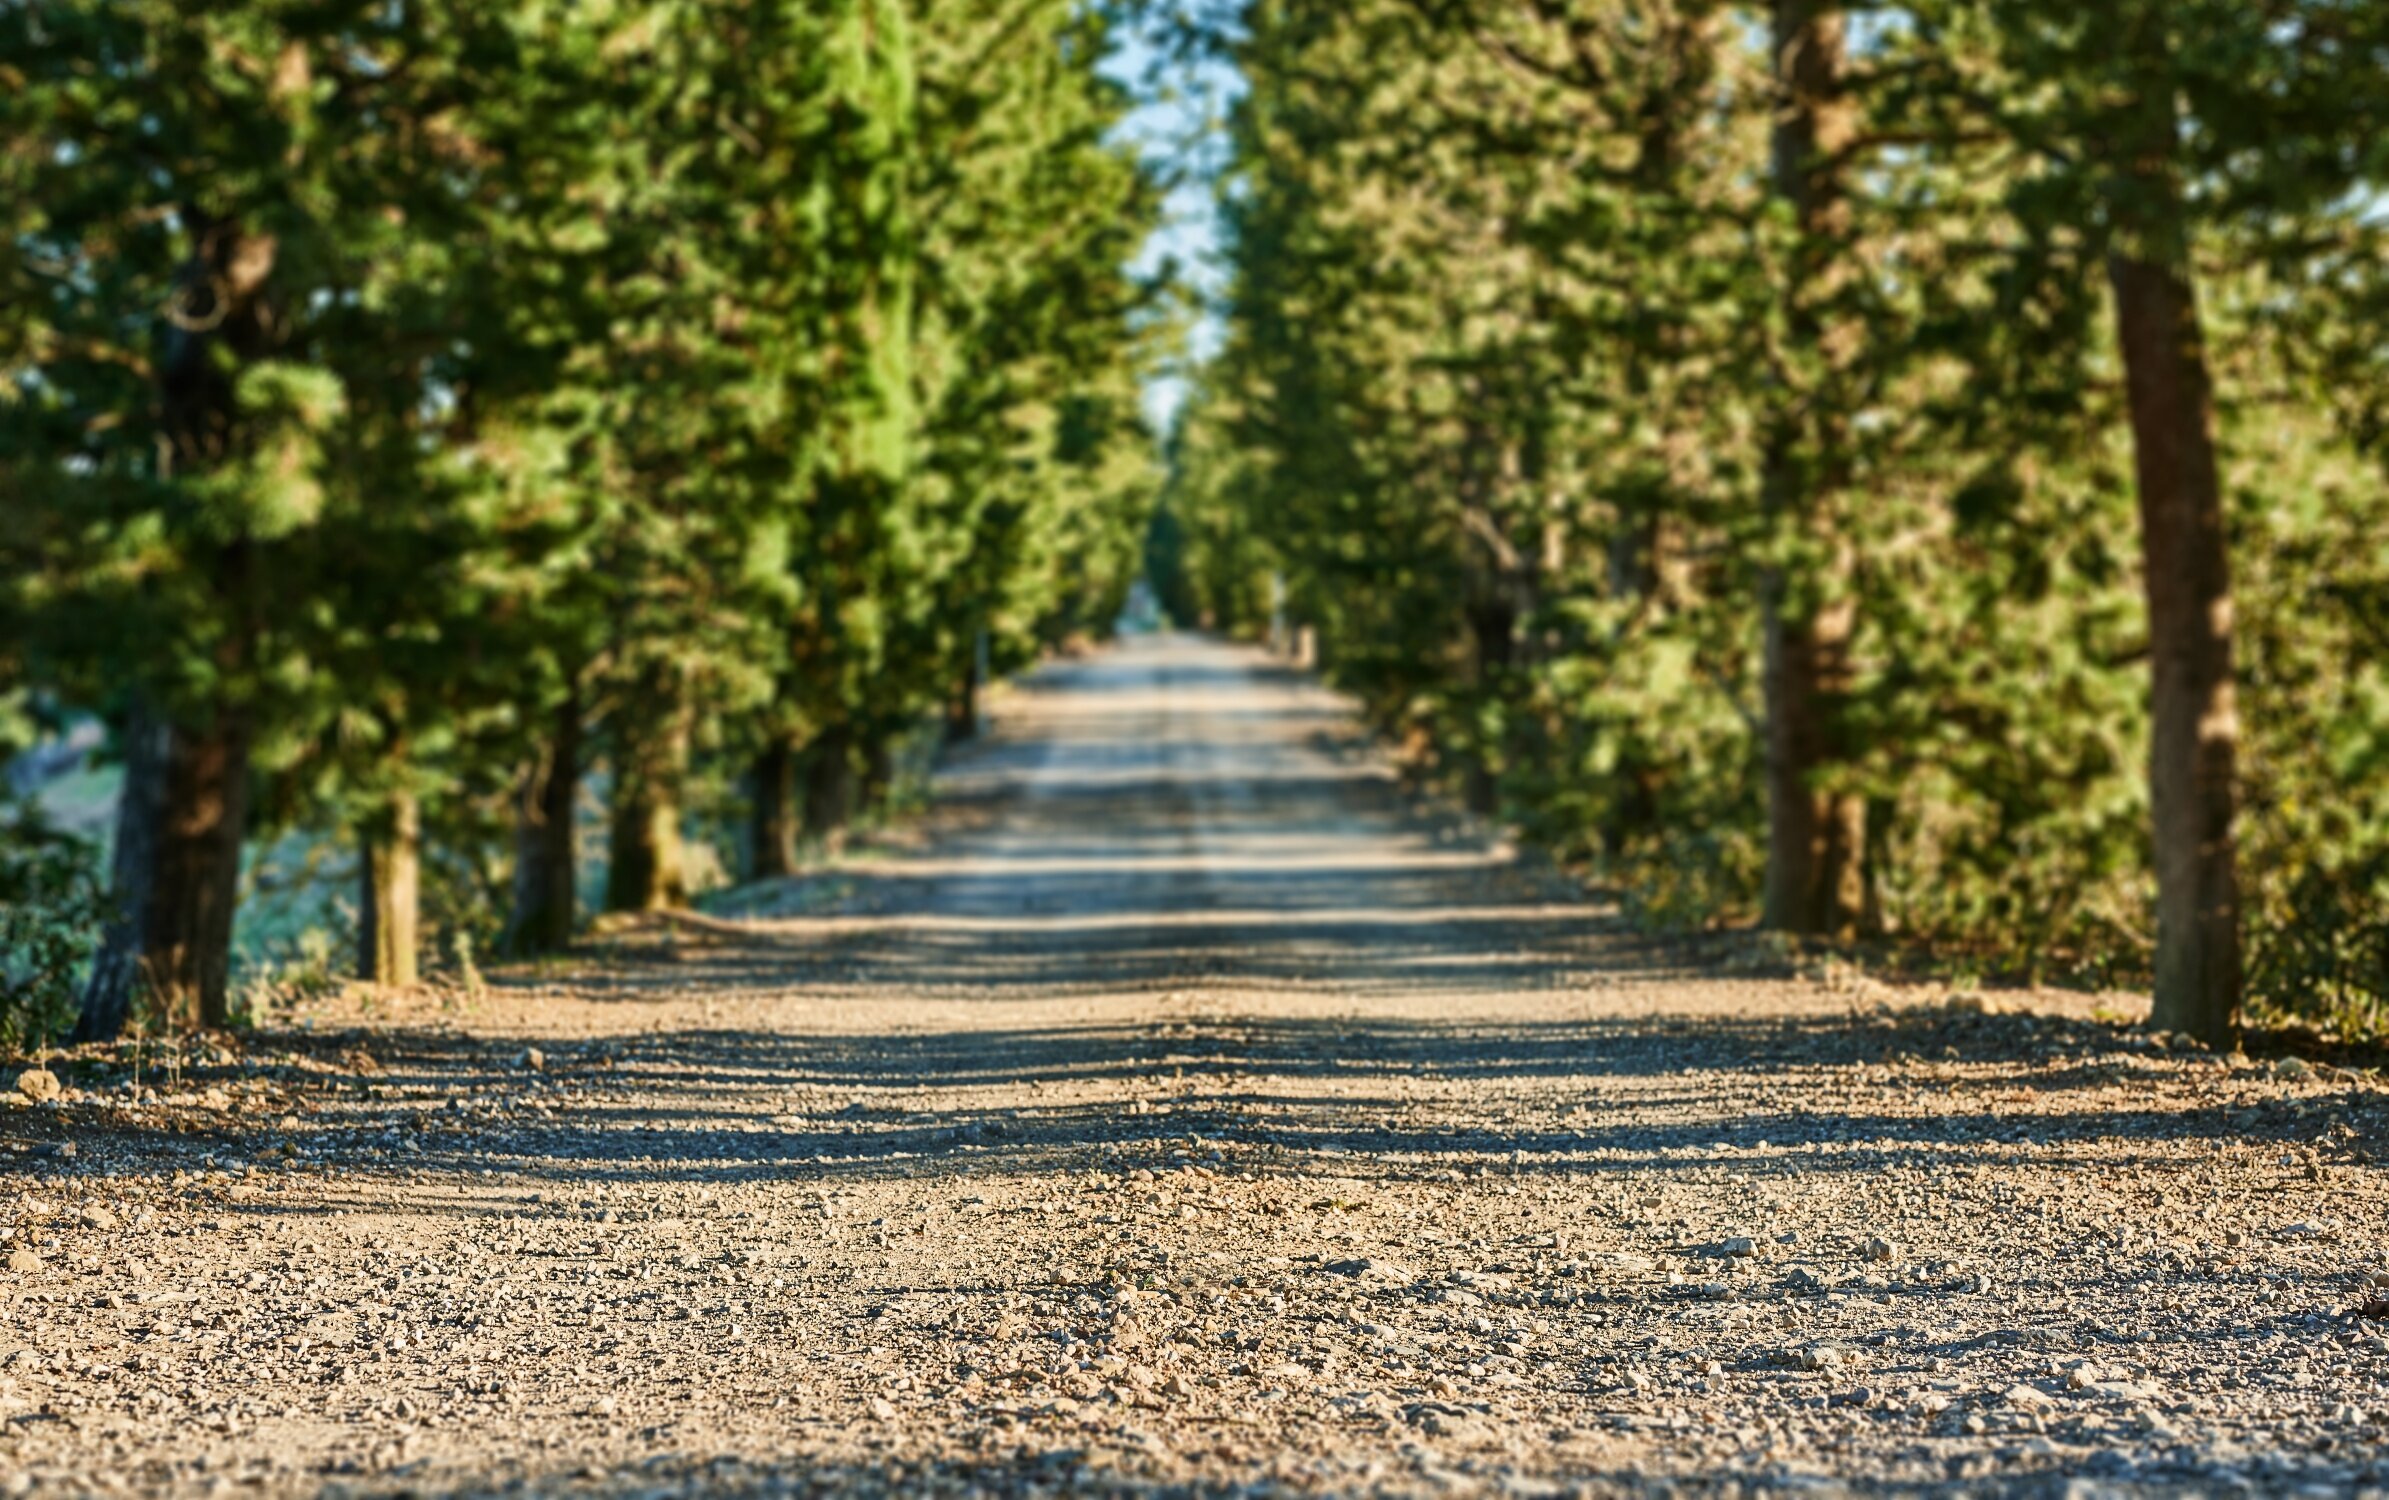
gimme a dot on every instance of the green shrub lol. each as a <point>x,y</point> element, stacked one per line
<point>51,911</point>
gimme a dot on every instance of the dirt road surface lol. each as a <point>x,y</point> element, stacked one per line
<point>1183,1111</point>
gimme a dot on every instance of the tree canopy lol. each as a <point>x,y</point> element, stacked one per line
<point>1903,473</point>
<point>421,420</point>
<point>1880,470</point>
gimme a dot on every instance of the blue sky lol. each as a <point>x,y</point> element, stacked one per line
<point>1178,126</point>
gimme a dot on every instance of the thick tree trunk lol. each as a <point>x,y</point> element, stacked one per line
<point>1816,839</point>
<point>771,849</point>
<point>830,787</point>
<point>2194,724</point>
<point>199,872</point>
<point>119,970</point>
<point>545,882</point>
<point>389,901</point>
<point>644,869</point>
<point>181,824</point>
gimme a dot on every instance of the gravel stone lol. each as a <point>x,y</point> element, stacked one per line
<point>39,1085</point>
<point>1342,1150</point>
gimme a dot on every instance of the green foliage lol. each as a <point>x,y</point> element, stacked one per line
<point>2313,591</point>
<point>50,910</point>
<point>1543,399</point>
<point>381,383</point>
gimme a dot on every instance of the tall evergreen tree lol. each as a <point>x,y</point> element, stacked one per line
<point>1822,330</point>
<point>537,392</point>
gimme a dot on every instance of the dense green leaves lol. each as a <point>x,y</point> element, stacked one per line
<point>418,416</point>
<point>1616,383</point>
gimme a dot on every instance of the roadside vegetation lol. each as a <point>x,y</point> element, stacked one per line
<point>426,428</point>
<point>1906,477</point>
<point>1903,473</point>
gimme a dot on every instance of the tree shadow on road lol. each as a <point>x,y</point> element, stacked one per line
<point>1282,1094</point>
<point>1037,1468</point>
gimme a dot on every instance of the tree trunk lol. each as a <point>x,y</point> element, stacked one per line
<point>389,911</point>
<point>771,850</point>
<point>545,883</point>
<point>643,868</point>
<point>829,787</point>
<point>1633,810</point>
<point>119,969</point>
<point>2194,725</point>
<point>1816,839</point>
<point>962,705</point>
<point>1493,631</point>
<point>199,872</point>
<point>181,824</point>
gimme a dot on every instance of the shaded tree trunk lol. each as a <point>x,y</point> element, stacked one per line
<point>389,902</point>
<point>180,827</point>
<point>545,889</point>
<point>1633,809</point>
<point>1816,838</point>
<point>830,786</point>
<point>119,968</point>
<point>962,704</point>
<point>644,869</point>
<point>771,835</point>
<point>643,872</point>
<point>1493,631</point>
<point>2194,724</point>
<point>199,870</point>
<point>1880,821</point>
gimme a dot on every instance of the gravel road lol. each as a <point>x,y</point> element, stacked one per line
<point>1180,1109</point>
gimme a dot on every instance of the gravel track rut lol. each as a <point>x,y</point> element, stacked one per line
<point>1179,1109</point>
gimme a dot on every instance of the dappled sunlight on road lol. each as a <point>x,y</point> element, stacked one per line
<point>1181,1074</point>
